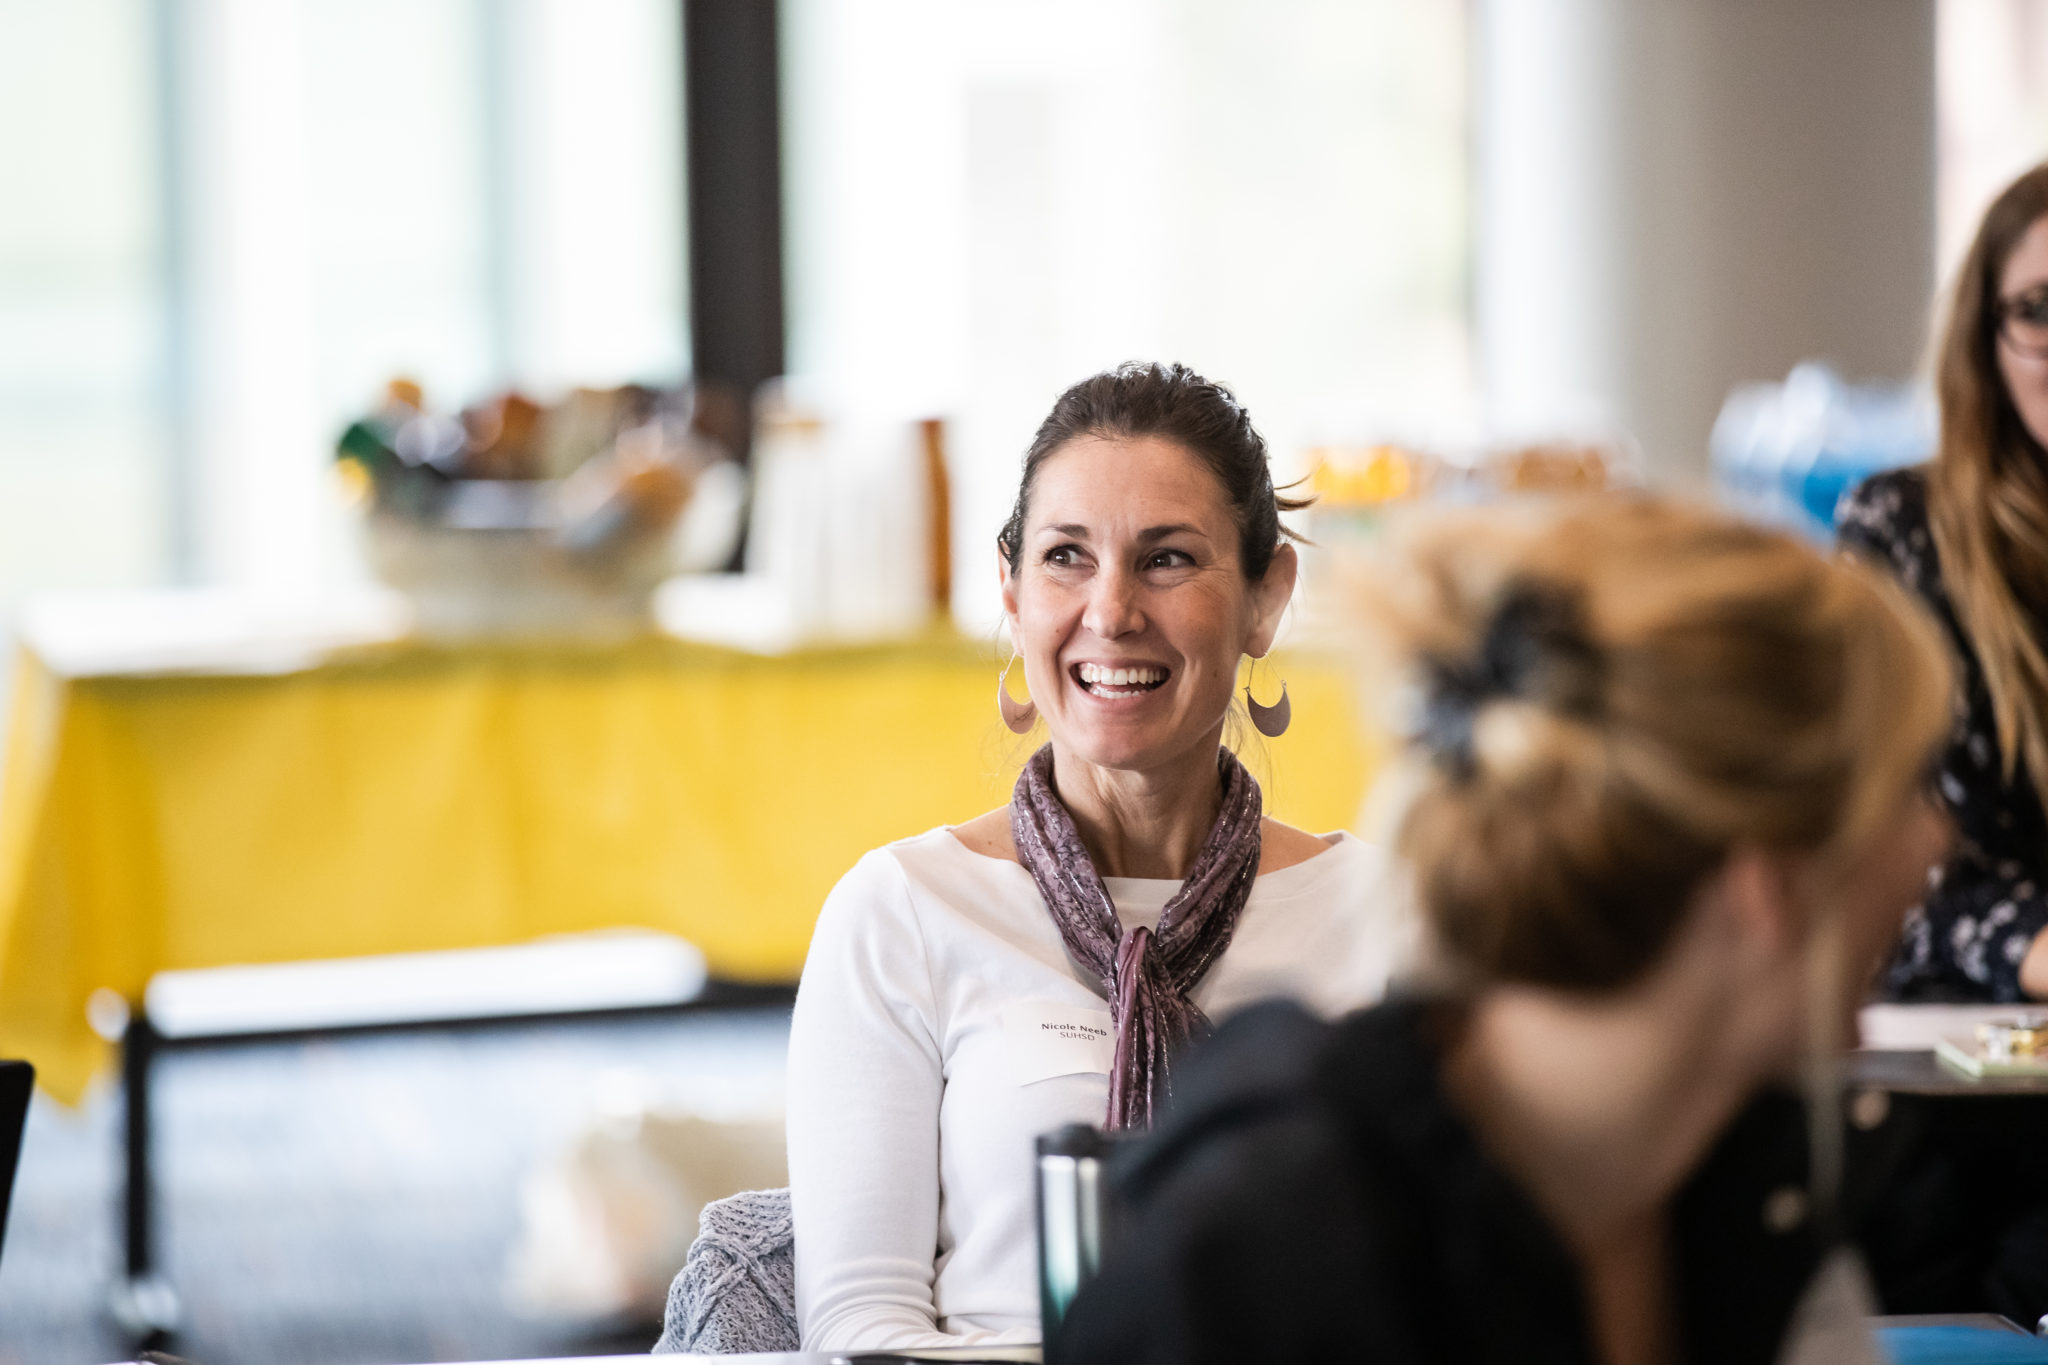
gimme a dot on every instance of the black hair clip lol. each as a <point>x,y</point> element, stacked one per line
<point>1534,648</point>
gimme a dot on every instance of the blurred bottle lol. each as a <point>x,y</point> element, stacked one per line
<point>939,501</point>
<point>848,523</point>
<point>1074,1222</point>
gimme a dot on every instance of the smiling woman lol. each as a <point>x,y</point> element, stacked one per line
<point>980,984</point>
<point>1966,533</point>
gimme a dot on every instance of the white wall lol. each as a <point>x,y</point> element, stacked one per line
<point>1678,196</point>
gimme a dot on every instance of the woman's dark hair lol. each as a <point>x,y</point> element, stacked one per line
<point>1139,399</point>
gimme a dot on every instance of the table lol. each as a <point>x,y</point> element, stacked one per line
<point>1898,1051</point>
<point>1896,1330</point>
<point>1961,1188</point>
<point>1921,1073</point>
<point>242,788</point>
<point>202,779</point>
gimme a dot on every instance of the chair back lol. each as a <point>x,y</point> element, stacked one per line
<point>736,1292</point>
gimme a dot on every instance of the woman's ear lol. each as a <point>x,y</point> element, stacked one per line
<point>1761,893</point>
<point>1270,596</point>
<point>1008,581</point>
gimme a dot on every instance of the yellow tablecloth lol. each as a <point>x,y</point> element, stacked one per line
<point>409,798</point>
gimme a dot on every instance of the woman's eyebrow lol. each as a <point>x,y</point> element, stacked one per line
<point>1075,531</point>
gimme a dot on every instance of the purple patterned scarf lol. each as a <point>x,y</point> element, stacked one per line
<point>1146,974</point>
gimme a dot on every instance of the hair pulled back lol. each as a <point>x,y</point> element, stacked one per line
<point>1171,402</point>
<point>1616,696</point>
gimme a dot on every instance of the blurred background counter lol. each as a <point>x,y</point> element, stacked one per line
<point>236,784</point>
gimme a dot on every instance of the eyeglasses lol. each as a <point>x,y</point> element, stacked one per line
<point>2023,322</point>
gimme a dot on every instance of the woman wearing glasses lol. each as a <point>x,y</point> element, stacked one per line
<point>1968,532</point>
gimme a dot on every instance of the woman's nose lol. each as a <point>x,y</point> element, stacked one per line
<point>1113,606</point>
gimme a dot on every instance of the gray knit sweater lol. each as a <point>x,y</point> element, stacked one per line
<point>737,1289</point>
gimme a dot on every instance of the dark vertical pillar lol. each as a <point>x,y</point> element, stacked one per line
<point>734,140</point>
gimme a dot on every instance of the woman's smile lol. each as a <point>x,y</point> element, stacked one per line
<point>1119,681</point>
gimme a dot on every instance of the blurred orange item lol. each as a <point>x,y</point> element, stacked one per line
<point>502,440</point>
<point>628,497</point>
<point>656,493</point>
<point>1365,476</point>
<point>1554,467</point>
<point>353,480</point>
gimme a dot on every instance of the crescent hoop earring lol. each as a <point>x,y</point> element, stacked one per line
<point>1020,716</point>
<point>1270,721</point>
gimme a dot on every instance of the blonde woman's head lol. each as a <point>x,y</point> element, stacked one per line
<point>1612,700</point>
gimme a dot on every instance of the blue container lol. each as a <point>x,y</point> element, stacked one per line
<point>1958,1345</point>
<point>1785,454</point>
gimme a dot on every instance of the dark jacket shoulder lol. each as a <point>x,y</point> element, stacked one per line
<point>1243,1198</point>
<point>1266,1222</point>
<point>1313,1195</point>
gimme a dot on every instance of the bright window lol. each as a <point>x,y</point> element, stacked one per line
<point>84,451</point>
<point>989,201</point>
<point>221,236</point>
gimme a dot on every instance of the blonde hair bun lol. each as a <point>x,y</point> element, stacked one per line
<point>1614,693</point>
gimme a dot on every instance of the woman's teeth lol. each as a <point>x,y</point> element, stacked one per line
<point>1120,682</point>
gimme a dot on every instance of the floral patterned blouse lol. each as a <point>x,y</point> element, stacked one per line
<point>1983,906</point>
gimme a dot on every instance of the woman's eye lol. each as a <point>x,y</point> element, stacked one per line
<point>1168,559</point>
<point>1063,556</point>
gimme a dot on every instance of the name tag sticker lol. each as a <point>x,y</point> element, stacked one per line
<point>1047,1039</point>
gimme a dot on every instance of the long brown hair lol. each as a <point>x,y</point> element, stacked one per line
<point>1988,490</point>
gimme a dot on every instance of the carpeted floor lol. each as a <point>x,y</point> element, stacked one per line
<point>348,1202</point>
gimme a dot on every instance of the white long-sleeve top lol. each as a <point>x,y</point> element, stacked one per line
<point>941,1026</point>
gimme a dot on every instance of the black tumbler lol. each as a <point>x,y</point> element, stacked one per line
<point>1073,1216</point>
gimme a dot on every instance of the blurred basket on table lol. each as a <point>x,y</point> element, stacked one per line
<point>514,519</point>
